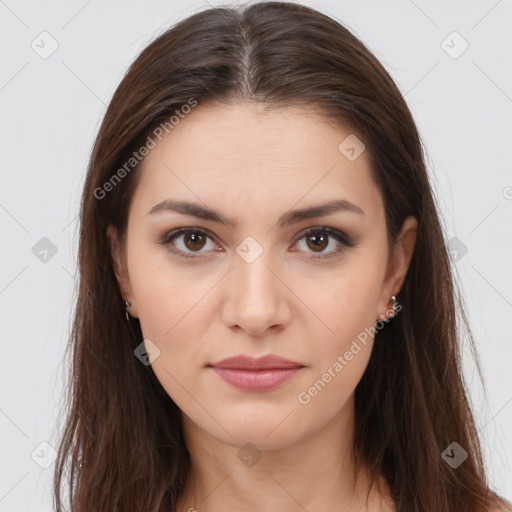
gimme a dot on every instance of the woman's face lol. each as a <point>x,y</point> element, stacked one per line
<point>256,283</point>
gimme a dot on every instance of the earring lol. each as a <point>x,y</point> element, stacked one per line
<point>394,306</point>
<point>127,304</point>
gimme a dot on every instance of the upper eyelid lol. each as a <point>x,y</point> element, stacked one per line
<point>182,230</point>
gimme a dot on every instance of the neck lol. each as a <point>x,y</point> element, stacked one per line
<point>316,473</point>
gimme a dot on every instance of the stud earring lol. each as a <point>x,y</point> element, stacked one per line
<point>394,307</point>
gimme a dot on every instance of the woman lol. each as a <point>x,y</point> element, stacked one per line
<point>257,203</point>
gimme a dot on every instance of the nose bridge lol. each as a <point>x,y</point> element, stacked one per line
<point>252,269</point>
<point>257,298</point>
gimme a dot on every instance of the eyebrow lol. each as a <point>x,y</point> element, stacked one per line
<point>290,217</point>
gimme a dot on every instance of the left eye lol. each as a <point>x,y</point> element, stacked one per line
<point>192,240</point>
<point>320,238</point>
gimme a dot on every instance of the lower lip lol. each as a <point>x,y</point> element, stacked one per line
<point>256,380</point>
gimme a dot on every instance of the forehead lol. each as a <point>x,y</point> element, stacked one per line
<point>242,157</point>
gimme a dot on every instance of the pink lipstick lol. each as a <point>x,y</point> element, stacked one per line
<point>256,374</point>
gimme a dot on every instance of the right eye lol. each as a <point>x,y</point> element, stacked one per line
<point>193,240</point>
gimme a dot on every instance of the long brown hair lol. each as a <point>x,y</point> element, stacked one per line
<point>122,447</point>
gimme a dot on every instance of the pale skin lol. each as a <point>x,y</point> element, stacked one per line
<point>253,167</point>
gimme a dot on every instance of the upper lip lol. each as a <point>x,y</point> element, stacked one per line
<point>253,363</point>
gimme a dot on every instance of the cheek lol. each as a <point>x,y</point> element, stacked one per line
<point>343,340</point>
<point>174,306</point>
<point>175,316</point>
<point>345,303</point>
<point>172,314</point>
<point>169,295</point>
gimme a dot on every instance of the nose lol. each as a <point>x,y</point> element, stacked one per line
<point>257,299</point>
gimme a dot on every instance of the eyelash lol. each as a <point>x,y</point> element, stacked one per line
<point>344,241</point>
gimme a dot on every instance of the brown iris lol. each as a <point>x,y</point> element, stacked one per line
<point>320,241</point>
<point>197,241</point>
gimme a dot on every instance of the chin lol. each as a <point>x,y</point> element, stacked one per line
<point>249,438</point>
<point>274,432</point>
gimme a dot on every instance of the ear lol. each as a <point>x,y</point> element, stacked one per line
<point>398,265</point>
<point>120,268</point>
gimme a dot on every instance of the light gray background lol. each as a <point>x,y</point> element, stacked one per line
<point>51,110</point>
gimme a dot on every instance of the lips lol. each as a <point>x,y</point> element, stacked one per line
<point>256,374</point>
<point>245,362</point>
